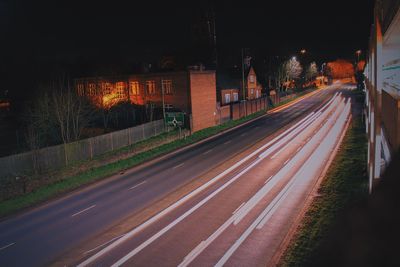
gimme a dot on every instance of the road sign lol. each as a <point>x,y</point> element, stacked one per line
<point>174,119</point>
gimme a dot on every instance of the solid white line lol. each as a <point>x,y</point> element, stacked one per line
<point>208,151</point>
<point>266,181</point>
<point>102,245</point>
<point>298,149</point>
<point>309,169</point>
<point>238,208</point>
<point>286,162</point>
<point>249,205</point>
<point>9,245</point>
<point>178,166</point>
<point>137,185</point>
<point>79,212</point>
<point>187,197</point>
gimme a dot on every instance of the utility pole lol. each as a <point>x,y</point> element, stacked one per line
<point>163,103</point>
<point>243,88</point>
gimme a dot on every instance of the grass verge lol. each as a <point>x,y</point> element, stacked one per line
<point>99,172</point>
<point>344,183</point>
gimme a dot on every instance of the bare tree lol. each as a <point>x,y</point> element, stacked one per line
<point>293,69</point>
<point>312,71</point>
<point>72,112</point>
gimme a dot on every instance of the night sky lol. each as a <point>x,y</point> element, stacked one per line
<point>42,38</point>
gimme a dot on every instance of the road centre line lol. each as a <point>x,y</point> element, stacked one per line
<point>208,151</point>
<point>178,166</point>
<point>251,203</point>
<point>7,246</point>
<point>82,211</point>
<point>185,198</point>
<point>307,170</point>
<point>133,187</point>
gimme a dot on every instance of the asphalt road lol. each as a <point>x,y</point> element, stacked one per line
<point>44,234</point>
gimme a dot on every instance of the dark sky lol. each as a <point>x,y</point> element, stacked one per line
<point>36,33</point>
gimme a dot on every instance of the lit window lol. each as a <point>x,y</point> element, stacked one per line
<point>120,86</point>
<point>252,91</point>
<point>227,98</point>
<point>107,88</point>
<point>80,89</point>
<point>235,97</point>
<point>252,79</point>
<point>92,89</point>
<point>151,87</point>
<point>167,87</point>
<point>134,88</point>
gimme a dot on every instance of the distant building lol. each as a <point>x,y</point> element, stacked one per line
<point>192,91</point>
<point>382,74</point>
<point>229,86</point>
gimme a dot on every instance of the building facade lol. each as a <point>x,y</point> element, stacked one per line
<point>382,84</point>
<point>192,92</point>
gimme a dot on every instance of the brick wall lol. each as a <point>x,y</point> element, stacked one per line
<point>203,99</point>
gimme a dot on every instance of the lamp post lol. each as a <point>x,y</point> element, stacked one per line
<point>358,52</point>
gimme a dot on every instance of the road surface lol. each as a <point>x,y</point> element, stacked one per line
<point>245,187</point>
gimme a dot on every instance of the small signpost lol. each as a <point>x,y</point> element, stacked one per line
<point>174,119</point>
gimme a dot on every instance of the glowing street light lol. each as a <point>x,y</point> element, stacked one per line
<point>303,51</point>
<point>358,52</point>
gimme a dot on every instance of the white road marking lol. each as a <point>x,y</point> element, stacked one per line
<point>266,181</point>
<point>298,149</point>
<point>79,212</point>
<point>6,246</point>
<point>208,151</point>
<point>133,187</point>
<point>243,134</point>
<point>309,169</point>
<point>183,200</point>
<point>102,245</point>
<point>238,208</point>
<point>178,166</point>
<point>252,202</point>
<point>286,162</point>
<point>227,142</point>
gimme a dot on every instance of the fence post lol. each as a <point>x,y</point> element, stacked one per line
<point>143,136</point>
<point>112,141</point>
<point>91,148</point>
<point>155,128</point>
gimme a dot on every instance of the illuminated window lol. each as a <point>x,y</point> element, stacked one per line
<point>167,87</point>
<point>227,98</point>
<point>81,89</point>
<point>252,79</point>
<point>151,87</point>
<point>134,88</point>
<point>120,86</point>
<point>107,88</point>
<point>92,89</point>
<point>235,97</point>
<point>252,91</point>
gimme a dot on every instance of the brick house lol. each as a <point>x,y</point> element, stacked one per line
<point>229,86</point>
<point>192,91</point>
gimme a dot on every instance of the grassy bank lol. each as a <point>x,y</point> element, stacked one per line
<point>97,171</point>
<point>70,183</point>
<point>344,184</point>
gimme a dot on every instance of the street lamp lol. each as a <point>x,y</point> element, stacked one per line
<point>303,51</point>
<point>358,52</point>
